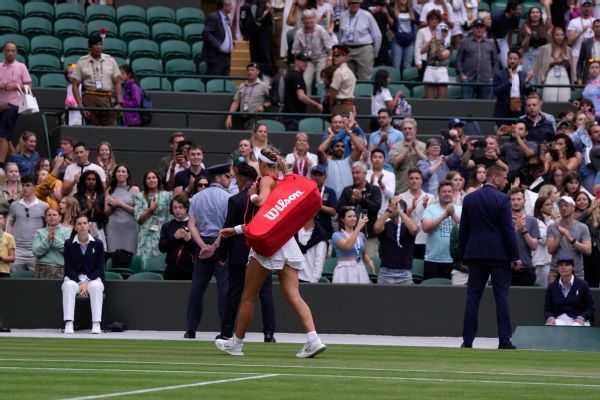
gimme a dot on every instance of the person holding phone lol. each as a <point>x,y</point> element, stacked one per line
<point>349,244</point>
<point>438,51</point>
<point>176,241</point>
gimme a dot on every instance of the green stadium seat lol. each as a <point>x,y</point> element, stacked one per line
<point>75,46</point>
<point>312,125</point>
<point>94,27</point>
<point>395,87</point>
<point>290,35</point>
<point>45,44</point>
<point>66,10</point>
<point>363,90</point>
<point>166,31</point>
<point>454,92</point>
<point>437,282</point>
<point>181,66</point>
<point>418,92</point>
<point>130,13</point>
<point>188,85</point>
<point>498,6</point>
<point>34,79</point>
<point>73,59</point>
<point>34,26</point>
<point>39,9</point>
<point>410,74</point>
<point>189,15</point>
<point>146,66</point>
<point>152,83</point>
<point>329,266</point>
<point>483,6</point>
<point>418,269</point>
<point>120,61</point>
<point>202,68</point>
<point>452,60</point>
<point>452,72</point>
<point>21,41</point>
<point>11,9</point>
<point>143,48</point>
<point>8,25</point>
<point>134,30</point>
<point>197,51</point>
<point>324,280</point>
<point>69,27</point>
<point>22,275</point>
<point>158,14</point>
<point>136,263</point>
<point>193,32</point>
<point>272,125</point>
<point>112,276</point>
<point>220,86</point>
<point>53,81</point>
<point>171,49</point>
<point>576,93</point>
<point>156,264</point>
<point>44,62</point>
<point>115,47</point>
<point>394,73</point>
<point>97,11</point>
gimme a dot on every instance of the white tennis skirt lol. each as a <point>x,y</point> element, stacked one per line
<point>289,254</point>
<point>350,272</point>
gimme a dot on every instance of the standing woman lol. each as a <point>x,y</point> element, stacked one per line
<point>90,195</point>
<point>106,159</point>
<point>552,68</point>
<point>403,46</point>
<point>535,34</point>
<point>349,245</point>
<point>69,210</point>
<point>382,97</point>
<point>438,52</point>
<point>151,211</point>
<point>132,96</point>
<point>591,263</point>
<point>540,258</point>
<point>12,189</point>
<point>121,228</point>
<point>286,261</point>
<point>591,91</point>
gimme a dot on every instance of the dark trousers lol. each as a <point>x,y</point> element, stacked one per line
<point>201,276</point>
<point>591,267</point>
<point>523,277</point>
<point>419,251</point>
<point>237,276</point>
<point>437,270</point>
<point>478,277</point>
<point>221,66</point>
<point>8,118</point>
<point>174,273</point>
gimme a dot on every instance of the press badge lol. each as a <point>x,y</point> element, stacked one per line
<point>154,224</point>
<point>557,72</point>
<point>99,85</point>
<point>245,107</point>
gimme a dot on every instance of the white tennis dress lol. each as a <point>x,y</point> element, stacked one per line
<point>289,254</point>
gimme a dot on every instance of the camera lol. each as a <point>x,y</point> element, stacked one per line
<point>479,144</point>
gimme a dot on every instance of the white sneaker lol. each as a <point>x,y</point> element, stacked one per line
<point>230,347</point>
<point>96,328</point>
<point>311,349</point>
<point>69,328</point>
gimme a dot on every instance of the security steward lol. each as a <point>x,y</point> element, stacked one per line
<point>234,249</point>
<point>99,76</point>
<point>208,209</point>
<point>341,90</point>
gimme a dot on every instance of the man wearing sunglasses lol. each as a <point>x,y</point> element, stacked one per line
<point>24,218</point>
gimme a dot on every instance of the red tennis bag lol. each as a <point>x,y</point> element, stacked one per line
<point>293,202</point>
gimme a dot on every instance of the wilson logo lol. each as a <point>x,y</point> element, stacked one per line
<point>281,205</point>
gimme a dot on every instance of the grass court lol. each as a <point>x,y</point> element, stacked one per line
<point>71,368</point>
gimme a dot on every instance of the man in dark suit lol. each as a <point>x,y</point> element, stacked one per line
<point>218,41</point>
<point>587,52</point>
<point>84,264</point>
<point>487,247</point>
<point>504,91</point>
<point>234,249</point>
<point>568,299</point>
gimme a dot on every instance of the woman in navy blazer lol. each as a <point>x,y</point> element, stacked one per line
<point>84,264</point>
<point>576,308</point>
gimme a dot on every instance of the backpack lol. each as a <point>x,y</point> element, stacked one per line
<point>146,116</point>
<point>248,24</point>
<point>277,91</point>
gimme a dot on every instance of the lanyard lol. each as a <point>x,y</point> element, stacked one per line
<point>97,73</point>
<point>357,245</point>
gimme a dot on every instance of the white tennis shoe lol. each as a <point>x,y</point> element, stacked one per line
<point>230,347</point>
<point>311,349</point>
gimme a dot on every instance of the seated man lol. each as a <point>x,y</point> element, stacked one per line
<point>568,299</point>
<point>84,263</point>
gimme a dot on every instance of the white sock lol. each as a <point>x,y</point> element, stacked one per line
<point>312,336</point>
<point>237,340</point>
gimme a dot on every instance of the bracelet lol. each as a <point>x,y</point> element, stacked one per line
<point>253,197</point>
<point>525,232</point>
<point>238,230</point>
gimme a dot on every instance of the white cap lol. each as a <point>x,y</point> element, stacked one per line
<point>567,199</point>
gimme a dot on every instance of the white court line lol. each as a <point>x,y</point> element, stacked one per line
<point>387,378</point>
<point>433,371</point>
<point>143,371</point>
<point>175,387</point>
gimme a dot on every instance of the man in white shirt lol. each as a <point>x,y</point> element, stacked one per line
<point>378,176</point>
<point>74,171</point>
<point>578,30</point>
<point>416,200</point>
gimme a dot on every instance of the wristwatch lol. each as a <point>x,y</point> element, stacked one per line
<point>573,241</point>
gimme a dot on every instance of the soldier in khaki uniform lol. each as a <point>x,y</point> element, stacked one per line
<point>341,90</point>
<point>99,76</point>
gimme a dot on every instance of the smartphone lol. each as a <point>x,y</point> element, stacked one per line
<point>479,144</point>
<point>59,152</point>
<point>179,152</point>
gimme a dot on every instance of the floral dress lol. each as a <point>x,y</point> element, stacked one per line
<point>149,231</point>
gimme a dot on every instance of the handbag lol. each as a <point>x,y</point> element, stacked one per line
<point>293,202</point>
<point>28,104</point>
<point>515,104</point>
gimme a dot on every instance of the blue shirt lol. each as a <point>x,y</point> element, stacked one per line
<point>357,250</point>
<point>25,163</point>
<point>209,208</point>
<point>394,136</point>
<point>346,138</point>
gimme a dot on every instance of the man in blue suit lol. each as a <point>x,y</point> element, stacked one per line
<point>505,87</point>
<point>218,40</point>
<point>487,247</point>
